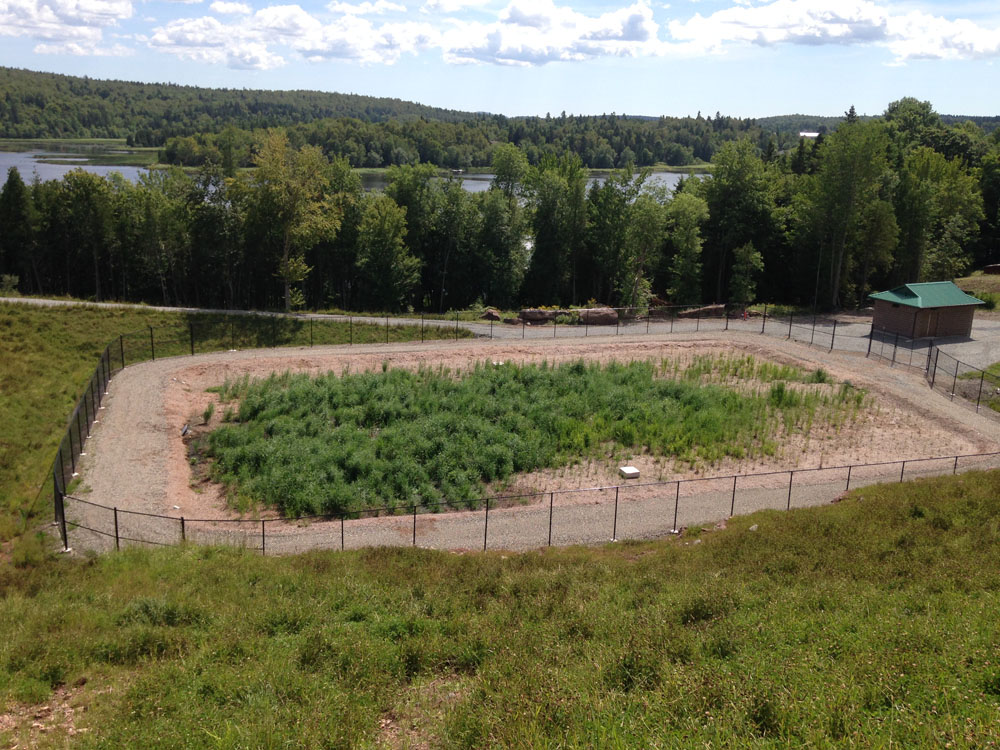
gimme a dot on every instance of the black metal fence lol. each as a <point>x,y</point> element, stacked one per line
<point>202,334</point>
<point>239,331</point>
<point>579,516</point>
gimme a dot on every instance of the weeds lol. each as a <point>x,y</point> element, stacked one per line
<point>398,438</point>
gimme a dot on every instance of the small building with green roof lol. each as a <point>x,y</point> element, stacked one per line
<point>930,309</point>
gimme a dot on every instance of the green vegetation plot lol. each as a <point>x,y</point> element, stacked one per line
<point>868,623</point>
<point>335,444</point>
<point>48,353</point>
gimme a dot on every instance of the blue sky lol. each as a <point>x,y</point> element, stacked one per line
<point>748,58</point>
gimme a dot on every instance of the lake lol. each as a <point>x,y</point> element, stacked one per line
<point>28,164</point>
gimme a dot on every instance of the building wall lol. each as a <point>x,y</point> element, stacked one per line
<point>916,323</point>
<point>955,321</point>
<point>893,318</point>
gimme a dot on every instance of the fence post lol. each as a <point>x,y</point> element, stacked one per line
<point>849,469</point>
<point>937,352</point>
<point>954,383</point>
<point>72,453</point>
<point>895,346</point>
<point>191,326</point>
<point>456,325</point>
<point>927,367</point>
<point>117,545</point>
<point>647,321</point>
<point>121,348</point>
<point>350,330</point>
<point>902,470</point>
<point>586,326</point>
<point>672,316</point>
<point>62,470</point>
<point>60,511</point>
<point>414,525</point>
<point>86,409</point>
<point>791,474</point>
<point>522,327</point>
<point>677,498</point>
<point>982,377</point>
<point>486,524</point>
<point>263,539</point>
<point>697,320</point>
<point>152,345</point>
<point>552,496</point>
<point>310,333</point>
<point>618,321</point>
<point>341,533</point>
<point>491,329</point>
<point>387,329</point>
<point>833,336</point>
<point>79,433</point>
<point>790,316</point>
<point>232,335</point>
<point>954,469</point>
<point>726,314</point>
<point>812,336</point>
<point>732,507</point>
<point>274,330</point>
<point>871,336</point>
<point>614,527</point>
<point>555,326</point>
<point>763,320</point>
<point>183,532</point>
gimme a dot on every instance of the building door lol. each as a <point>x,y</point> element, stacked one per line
<point>932,324</point>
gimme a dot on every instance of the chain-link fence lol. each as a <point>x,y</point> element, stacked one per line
<point>560,517</point>
<point>975,387</point>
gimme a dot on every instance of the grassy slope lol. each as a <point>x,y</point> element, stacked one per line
<point>872,622</point>
<point>48,354</point>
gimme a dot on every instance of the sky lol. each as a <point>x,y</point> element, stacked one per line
<point>745,58</point>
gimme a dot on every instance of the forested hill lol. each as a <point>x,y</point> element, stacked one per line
<point>792,125</point>
<point>48,105</point>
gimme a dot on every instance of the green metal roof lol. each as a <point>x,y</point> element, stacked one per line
<point>928,294</point>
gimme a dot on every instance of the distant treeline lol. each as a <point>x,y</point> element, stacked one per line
<point>49,105</point>
<point>603,142</point>
<point>899,198</point>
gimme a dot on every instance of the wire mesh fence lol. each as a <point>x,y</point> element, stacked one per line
<point>201,334</point>
<point>560,517</point>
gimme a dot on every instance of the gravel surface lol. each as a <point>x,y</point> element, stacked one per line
<point>137,462</point>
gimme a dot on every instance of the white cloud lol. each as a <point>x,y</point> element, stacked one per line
<point>539,32</point>
<point>224,8</point>
<point>83,50</point>
<point>366,8</point>
<point>64,26</point>
<point>845,22</point>
<point>451,6</point>
<point>534,32</point>
<point>249,42</point>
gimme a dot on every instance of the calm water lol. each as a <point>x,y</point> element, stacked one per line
<point>478,183</point>
<point>28,165</point>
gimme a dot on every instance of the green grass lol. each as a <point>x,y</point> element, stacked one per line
<point>868,623</point>
<point>342,442</point>
<point>48,354</point>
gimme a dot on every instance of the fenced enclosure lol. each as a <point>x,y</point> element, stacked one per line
<point>975,387</point>
<point>561,517</point>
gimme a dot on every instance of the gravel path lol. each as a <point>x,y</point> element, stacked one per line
<point>136,461</point>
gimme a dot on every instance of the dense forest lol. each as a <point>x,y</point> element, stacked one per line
<point>49,105</point>
<point>898,198</point>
